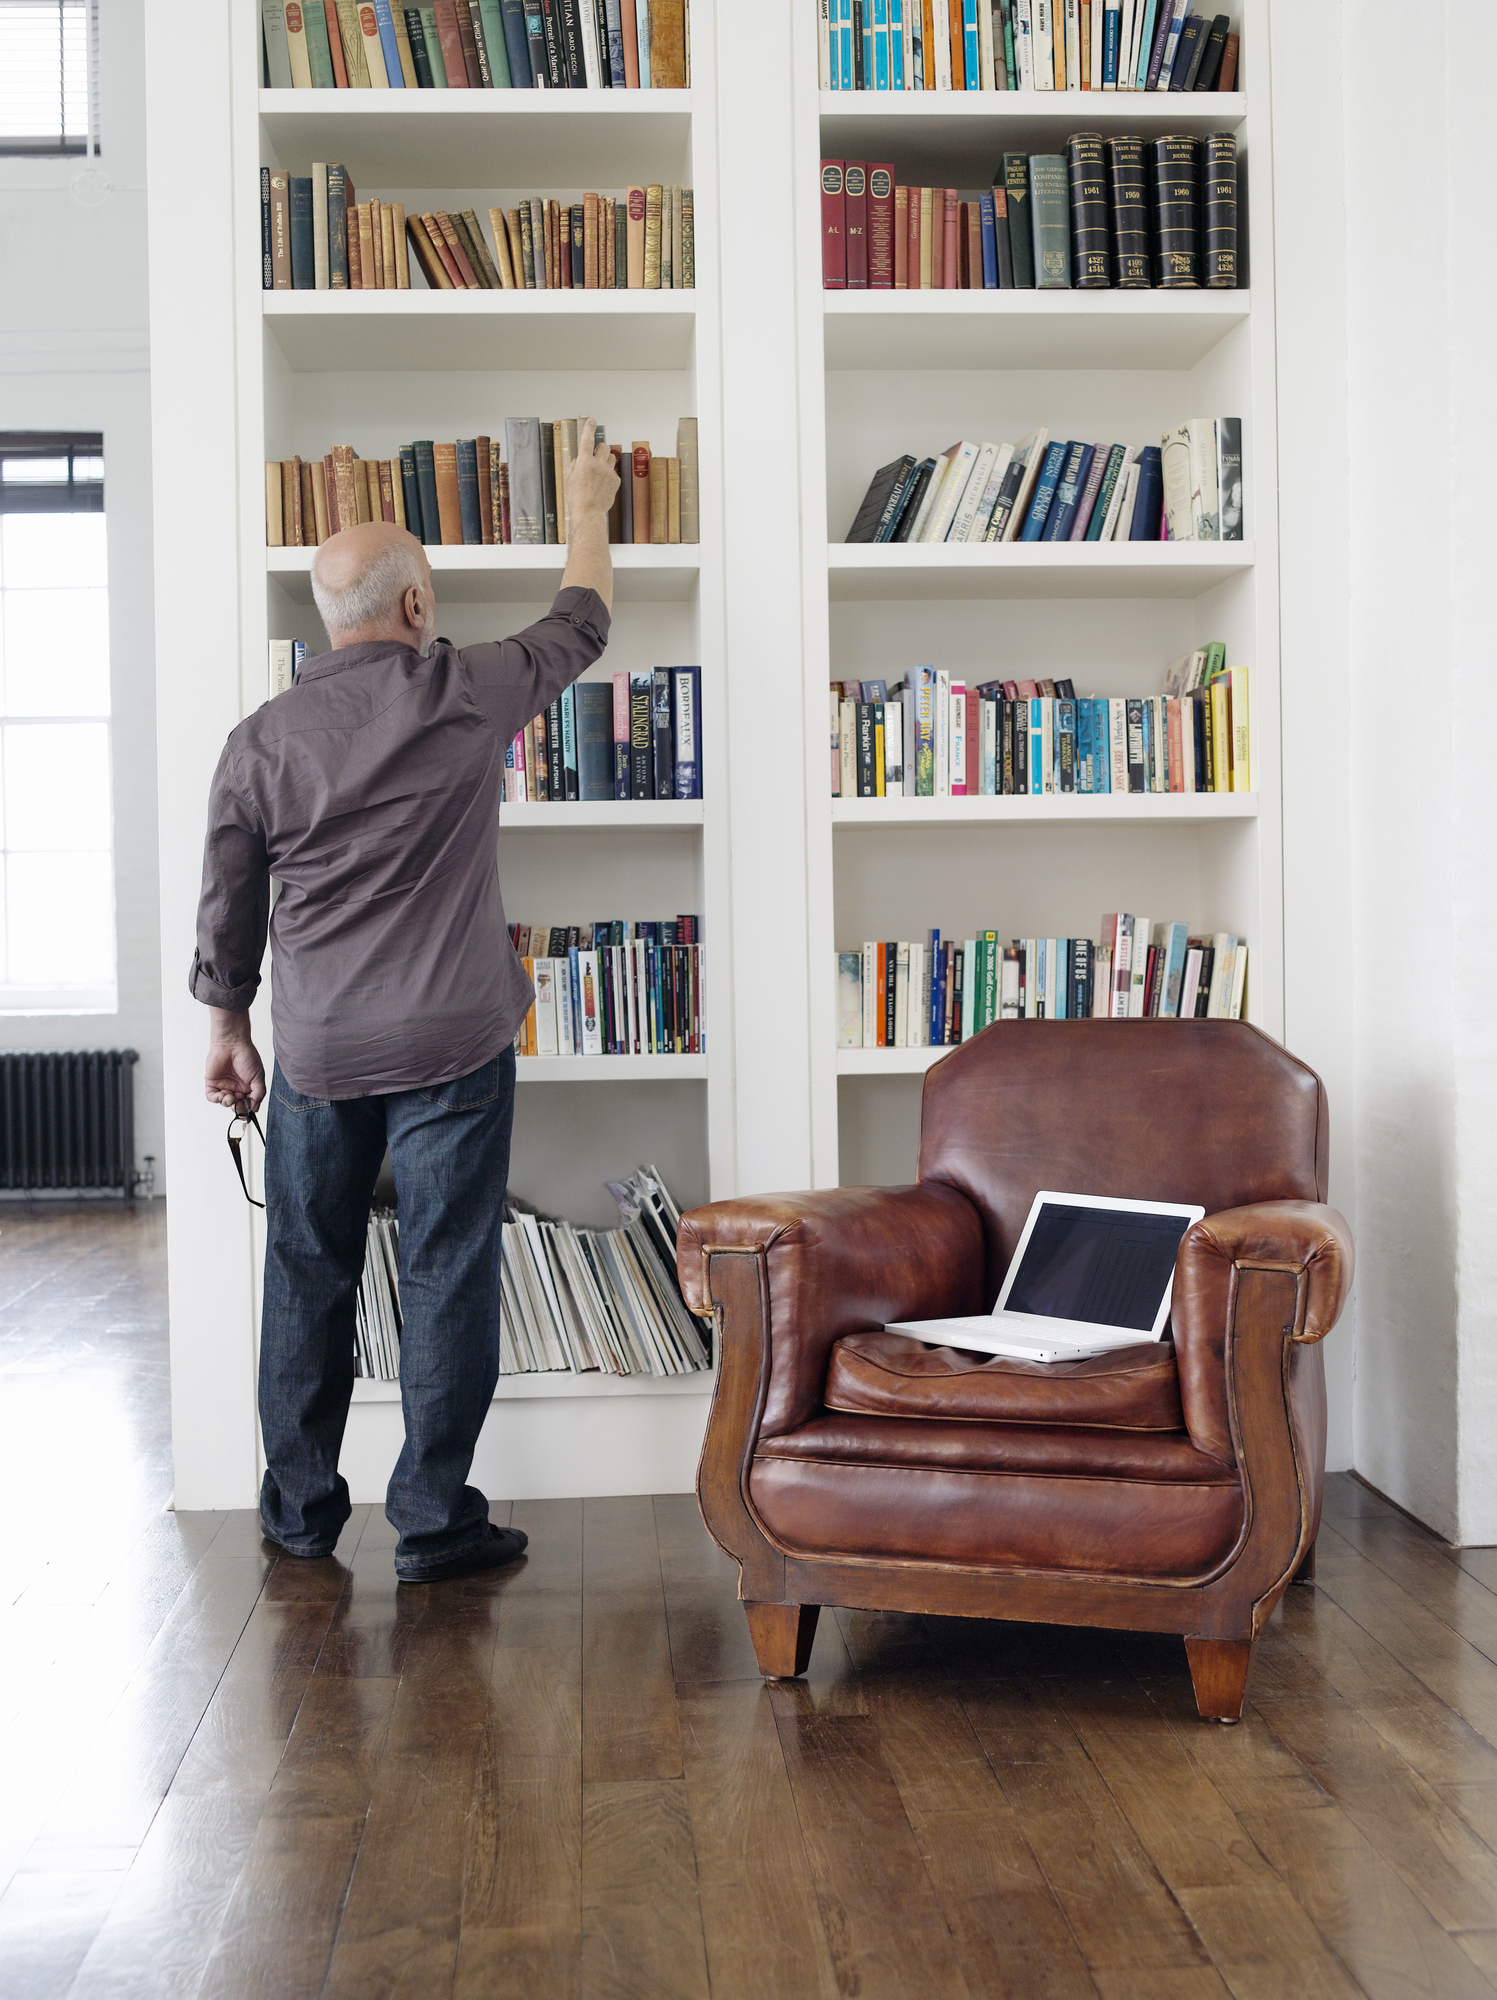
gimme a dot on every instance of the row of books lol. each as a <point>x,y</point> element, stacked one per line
<point>571,1300</point>
<point>1120,212</point>
<point>317,236</point>
<point>613,989</point>
<point>476,45</point>
<point>1187,488</point>
<point>936,993</point>
<point>935,737</point>
<point>477,492</point>
<point>637,737</point>
<point>1023,45</point>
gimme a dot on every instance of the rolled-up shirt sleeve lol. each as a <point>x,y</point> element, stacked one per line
<point>515,679</point>
<point>234,908</point>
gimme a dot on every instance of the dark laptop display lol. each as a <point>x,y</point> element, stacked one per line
<point>1096,1265</point>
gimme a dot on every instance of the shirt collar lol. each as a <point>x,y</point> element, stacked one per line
<point>343,657</point>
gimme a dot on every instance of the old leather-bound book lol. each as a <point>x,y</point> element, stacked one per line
<point>449,504</point>
<point>667,44</point>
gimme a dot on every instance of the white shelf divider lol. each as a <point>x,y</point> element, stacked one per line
<point>325,333</point>
<point>883,571</point>
<point>1072,808</point>
<point>643,572</point>
<point>941,329</point>
<point>610,1069</point>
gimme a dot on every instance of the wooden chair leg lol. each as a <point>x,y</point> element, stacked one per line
<point>782,1635</point>
<point>1306,1571</point>
<point>1219,1671</point>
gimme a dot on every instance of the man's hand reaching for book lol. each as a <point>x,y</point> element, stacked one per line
<point>591,486</point>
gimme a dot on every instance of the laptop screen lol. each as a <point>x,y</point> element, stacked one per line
<point>1100,1265</point>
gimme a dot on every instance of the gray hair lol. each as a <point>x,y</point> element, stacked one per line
<point>375,594</point>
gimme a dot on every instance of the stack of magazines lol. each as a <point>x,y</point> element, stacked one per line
<point>571,1300</point>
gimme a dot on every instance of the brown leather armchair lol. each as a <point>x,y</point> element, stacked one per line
<point>1170,1487</point>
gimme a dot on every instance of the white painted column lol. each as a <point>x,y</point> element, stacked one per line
<point>193,292</point>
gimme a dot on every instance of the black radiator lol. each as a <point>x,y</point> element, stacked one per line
<point>67,1119</point>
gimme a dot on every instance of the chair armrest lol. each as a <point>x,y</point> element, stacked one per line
<point>840,1261</point>
<point>1301,1237</point>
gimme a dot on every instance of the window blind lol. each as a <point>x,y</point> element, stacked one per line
<point>49,69</point>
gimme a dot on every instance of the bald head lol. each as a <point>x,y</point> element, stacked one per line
<point>373,582</point>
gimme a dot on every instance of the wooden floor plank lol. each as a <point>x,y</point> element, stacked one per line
<point>1426,1570</point>
<point>629,1728</point>
<point>1117,1905</point>
<point>1257,1935</point>
<point>522,1895</point>
<point>878,1908</point>
<point>760,1917</point>
<point>709,1637</point>
<point>641,1917</point>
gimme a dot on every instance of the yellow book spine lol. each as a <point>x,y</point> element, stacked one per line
<point>1221,735</point>
<point>1242,762</point>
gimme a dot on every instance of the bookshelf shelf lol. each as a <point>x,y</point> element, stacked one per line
<point>323,333</point>
<point>956,136</point>
<point>610,1069</point>
<point>1171,809</point>
<point>642,816</point>
<point>508,138</point>
<point>929,330</point>
<point>868,572</point>
<point>555,1382</point>
<point>643,573</point>
<point>887,1062</point>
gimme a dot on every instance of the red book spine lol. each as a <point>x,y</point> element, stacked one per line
<point>335,49</point>
<point>1172,708</point>
<point>913,254</point>
<point>880,229</point>
<point>902,240</point>
<point>950,251</point>
<point>833,228</point>
<point>974,743</point>
<point>855,188</point>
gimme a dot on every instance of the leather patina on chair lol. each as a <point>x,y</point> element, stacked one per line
<point>1168,1487</point>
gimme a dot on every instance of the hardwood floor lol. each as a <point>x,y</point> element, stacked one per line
<point>231,1775</point>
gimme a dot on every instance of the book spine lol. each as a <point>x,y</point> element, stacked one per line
<point>1050,195</point>
<point>855,192</point>
<point>880,228</point>
<point>686,711</point>
<point>1220,200</point>
<point>1086,168</point>
<point>660,722</point>
<point>1176,174</point>
<point>389,47</point>
<point>641,741</point>
<point>833,227</point>
<point>1021,238</point>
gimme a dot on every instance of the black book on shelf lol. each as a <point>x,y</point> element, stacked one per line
<point>467,491</point>
<point>1130,212</point>
<point>1219,200</point>
<point>876,499</point>
<point>641,736</point>
<point>416,35</point>
<point>1086,167</point>
<point>1020,228</point>
<point>556,777</point>
<point>556,73</point>
<point>1211,57</point>
<point>577,237</point>
<point>426,481</point>
<point>660,727</point>
<point>1176,175</point>
<point>1190,35</point>
<point>574,69</point>
<point>910,501</point>
<point>299,211</point>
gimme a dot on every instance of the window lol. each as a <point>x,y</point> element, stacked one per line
<point>57,943</point>
<point>49,69</point>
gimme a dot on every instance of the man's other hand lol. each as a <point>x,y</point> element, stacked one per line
<point>235,1075</point>
<point>591,482</point>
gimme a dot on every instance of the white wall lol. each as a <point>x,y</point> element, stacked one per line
<point>1420,427</point>
<point>74,356</point>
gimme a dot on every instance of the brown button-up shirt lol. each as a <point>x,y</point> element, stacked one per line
<point>370,790</point>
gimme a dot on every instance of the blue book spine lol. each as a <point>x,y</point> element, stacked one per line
<point>844,42</point>
<point>1171,44</point>
<point>1101,730</point>
<point>569,774</point>
<point>642,25</point>
<point>896,44</point>
<point>1150,496</point>
<point>1111,21</point>
<point>617,79</point>
<point>971,47</point>
<point>1084,747</point>
<point>880,11</point>
<point>686,729</point>
<point>1068,494</point>
<point>989,245</point>
<point>517,44</point>
<point>1044,492</point>
<point>1036,746</point>
<point>388,43</point>
<point>574,977</point>
<point>933,962</point>
<point>299,215</point>
<point>989,742</point>
<point>1062,979</point>
<point>1146,44</point>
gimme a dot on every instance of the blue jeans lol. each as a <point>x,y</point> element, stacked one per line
<point>450,1149</point>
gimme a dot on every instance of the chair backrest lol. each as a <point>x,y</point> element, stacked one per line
<point>1213,1112</point>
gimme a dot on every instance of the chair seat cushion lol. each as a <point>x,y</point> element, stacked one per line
<point>891,1375</point>
<point>996,1496</point>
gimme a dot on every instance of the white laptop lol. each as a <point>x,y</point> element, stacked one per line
<point>1090,1274</point>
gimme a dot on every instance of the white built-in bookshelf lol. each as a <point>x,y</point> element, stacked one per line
<point>888,372</point>
<point>800,395</point>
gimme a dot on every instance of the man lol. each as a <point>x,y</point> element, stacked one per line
<point>370,791</point>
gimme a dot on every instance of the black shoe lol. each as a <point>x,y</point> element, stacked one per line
<point>504,1545</point>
